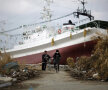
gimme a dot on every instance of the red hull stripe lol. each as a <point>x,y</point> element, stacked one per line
<point>70,51</point>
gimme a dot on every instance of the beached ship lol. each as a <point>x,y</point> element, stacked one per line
<point>71,41</point>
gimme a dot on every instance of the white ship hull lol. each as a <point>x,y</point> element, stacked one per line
<point>32,52</point>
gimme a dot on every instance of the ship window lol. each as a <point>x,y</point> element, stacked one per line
<point>26,37</point>
<point>24,33</point>
<point>33,31</point>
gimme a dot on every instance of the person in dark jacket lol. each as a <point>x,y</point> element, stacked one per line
<point>45,59</point>
<point>56,59</point>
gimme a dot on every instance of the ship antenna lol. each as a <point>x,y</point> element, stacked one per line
<point>83,11</point>
<point>83,3</point>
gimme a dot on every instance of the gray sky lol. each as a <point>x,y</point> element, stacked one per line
<point>20,12</point>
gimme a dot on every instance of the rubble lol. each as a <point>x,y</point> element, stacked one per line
<point>11,71</point>
<point>94,67</point>
<point>23,74</point>
<point>5,81</point>
<point>5,84</point>
<point>16,76</point>
<point>96,76</point>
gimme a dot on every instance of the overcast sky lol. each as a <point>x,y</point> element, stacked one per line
<point>20,12</point>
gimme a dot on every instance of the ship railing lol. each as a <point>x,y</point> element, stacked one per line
<point>39,39</point>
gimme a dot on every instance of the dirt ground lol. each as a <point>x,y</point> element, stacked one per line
<point>50,80</point>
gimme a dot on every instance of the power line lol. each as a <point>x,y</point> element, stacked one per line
<point>14,29</point>
<point>21,34</point>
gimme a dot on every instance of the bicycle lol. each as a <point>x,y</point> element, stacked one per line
<point>49,64</point>
<point>56,66</point>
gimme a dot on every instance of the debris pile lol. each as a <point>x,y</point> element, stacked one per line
<point>95,66</point>
<point>23,74</point>
<point>18,72</point>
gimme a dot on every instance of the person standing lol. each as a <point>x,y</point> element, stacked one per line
<point>56,59</point>
<point>45,59</point>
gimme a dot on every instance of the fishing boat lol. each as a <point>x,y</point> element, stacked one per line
<point>70,40</point>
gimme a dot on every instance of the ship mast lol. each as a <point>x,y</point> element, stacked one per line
<point>46,14</point>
